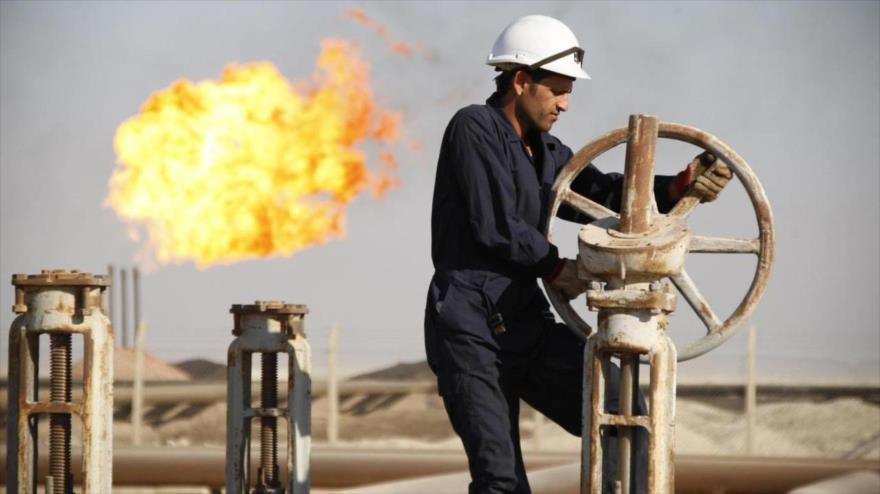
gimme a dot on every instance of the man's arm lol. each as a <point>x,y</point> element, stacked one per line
<point>607,188</point>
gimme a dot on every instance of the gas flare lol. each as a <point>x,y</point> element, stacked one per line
<point>251,165</point>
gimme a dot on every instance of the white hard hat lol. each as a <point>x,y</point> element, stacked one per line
<point>537,41</point>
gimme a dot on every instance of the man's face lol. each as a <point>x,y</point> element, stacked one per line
<point>540,103</point>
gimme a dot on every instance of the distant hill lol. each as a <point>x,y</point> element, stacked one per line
<point>155,369</point>
<point>203,369</point>
<point>415,371</point>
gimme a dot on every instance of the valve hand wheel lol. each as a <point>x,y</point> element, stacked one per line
<point>717,331</point>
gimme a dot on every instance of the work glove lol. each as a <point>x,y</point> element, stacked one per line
<point>565,279</point>
<point>706,175</point>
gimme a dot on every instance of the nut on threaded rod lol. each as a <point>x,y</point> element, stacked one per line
<point>268,474</point>
<point>59,423</point>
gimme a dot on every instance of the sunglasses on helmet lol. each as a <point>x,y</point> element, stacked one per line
<point>578,57</point>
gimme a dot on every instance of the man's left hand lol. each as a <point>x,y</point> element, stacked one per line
<point>566,280</point>
<point>706,175</point>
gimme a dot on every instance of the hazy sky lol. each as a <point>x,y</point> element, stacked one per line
<point>794,87</point>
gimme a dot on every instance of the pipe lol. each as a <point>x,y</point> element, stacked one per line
<point>751,391</point>
<point>123,295</point>
<point>339,467</point>
<point>628,369</point>
<point>137,403</point>
<point>332,387</point>
<point>331,467</point>
<point>109,293</point>
<point>697,475</point>
<point>638,175</point>
<point>136,296</point>
<point>548,480</point>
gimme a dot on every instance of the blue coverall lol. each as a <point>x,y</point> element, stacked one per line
<point>490,207</point>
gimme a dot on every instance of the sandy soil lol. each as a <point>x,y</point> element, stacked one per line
<point>155,369</point>
<point>841,428</point>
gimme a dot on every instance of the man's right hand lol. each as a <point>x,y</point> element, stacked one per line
<point>566,280</point>
<point>707,175</point>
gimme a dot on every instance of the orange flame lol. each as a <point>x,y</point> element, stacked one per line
<point>251,166</point>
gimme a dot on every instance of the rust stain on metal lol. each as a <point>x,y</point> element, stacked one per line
<point>635,214</point>
<point>61,303</point>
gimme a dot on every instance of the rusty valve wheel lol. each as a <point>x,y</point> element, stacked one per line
<point>718,331</point>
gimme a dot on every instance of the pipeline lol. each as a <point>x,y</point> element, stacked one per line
<point>205,392</point>
<point>349,467</point>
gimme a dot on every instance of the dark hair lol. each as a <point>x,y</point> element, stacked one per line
<point>504,80</point>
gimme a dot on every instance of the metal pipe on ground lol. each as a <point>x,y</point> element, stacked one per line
<point>341,468</point>
<point>551,480</point>
<point>331,467</point>
<point>693,475</point>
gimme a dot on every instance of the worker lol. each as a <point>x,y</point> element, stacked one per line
<point>490,336</point>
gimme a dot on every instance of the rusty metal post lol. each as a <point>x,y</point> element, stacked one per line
<point>628,383</point>
<point>631,255</point>
<point>332,387</point>
<point>137,401</point>
<point>108,294</point>
<point>268,328</point>
<point>123,296</point>
<point>60,304</point>
<point>638,181</point>
<point>751,391</point>
<point>136,299</point>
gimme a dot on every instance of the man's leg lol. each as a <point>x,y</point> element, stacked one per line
<point>554,388</point>
<point>486,420</point>
<point>481,412</point>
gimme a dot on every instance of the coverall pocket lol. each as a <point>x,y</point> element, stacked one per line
<point>463,308</point>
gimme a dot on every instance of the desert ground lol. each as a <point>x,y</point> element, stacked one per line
<point>801,426</point>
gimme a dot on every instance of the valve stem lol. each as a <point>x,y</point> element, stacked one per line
<point>268,474</point>
<point>59,423</point>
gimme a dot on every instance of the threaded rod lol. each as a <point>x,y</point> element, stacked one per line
<point>59,423</point>
<point>269,425</point>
